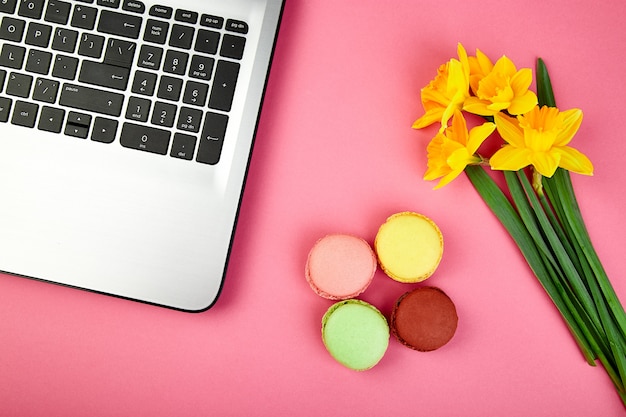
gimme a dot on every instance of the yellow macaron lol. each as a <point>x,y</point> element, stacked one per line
<point>409,247</point>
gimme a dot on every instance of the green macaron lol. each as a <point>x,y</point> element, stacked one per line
<point>355,333</point>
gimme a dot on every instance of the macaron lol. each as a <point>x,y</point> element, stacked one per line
<point>424,319</point>
<point>409,247</point>
<point>355,334</point>
<point>340,266</point>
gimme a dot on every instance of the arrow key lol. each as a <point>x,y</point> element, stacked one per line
<point>51,119</point>
<point>104,130</point>
<point>79,119</point>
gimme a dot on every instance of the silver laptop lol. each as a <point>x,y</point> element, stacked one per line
<point>126,128</point>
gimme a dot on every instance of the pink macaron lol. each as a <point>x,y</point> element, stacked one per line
<point>340,266</point>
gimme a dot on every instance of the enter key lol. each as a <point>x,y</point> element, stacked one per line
<point>104,75</point>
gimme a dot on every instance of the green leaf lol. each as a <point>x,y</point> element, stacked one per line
<point>545,95</point>
<point>510,219</point>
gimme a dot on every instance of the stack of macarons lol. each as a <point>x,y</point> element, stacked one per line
<point>408,247</point>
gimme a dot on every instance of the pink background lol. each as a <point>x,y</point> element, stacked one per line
<point>336,153</point>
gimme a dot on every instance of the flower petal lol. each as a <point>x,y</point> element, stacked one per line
<point>430,117</point>
<point>574,160</point>
<point>459,128</point>
<point>448,178</point>
<point>571,120</point>
<point>478,135</point>
<point>509,158</point>
<point>521,80</point>
<point>523,104</point>
<point>477,106</point>
<point>545,162</point>
<point>505,66</point>
<point>509,129</point>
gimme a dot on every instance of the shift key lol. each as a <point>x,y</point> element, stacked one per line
<point>91,99</point>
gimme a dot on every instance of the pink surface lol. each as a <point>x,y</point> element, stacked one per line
<point>335,153</point>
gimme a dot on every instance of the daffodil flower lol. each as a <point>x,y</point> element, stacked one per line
<point>453,149</point>
<point>502,88</point>
<point>447,92</point>
<point>540,138</point>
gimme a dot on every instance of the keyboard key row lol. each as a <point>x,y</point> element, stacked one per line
<point>91,45</point>
<point>134,136</point>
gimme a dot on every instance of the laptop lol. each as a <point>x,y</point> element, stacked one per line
<point>126,129</point>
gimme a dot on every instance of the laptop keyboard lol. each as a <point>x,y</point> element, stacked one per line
<point>159,80</point>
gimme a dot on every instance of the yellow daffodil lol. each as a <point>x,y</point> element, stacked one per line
<point>480,66</point>
<point>540,138</point>
<point>447,92</point>
<point>502,88</point>
<point>453,149</point>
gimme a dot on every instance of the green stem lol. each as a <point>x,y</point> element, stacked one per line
<point>560,189</point>
<point>510,219</point>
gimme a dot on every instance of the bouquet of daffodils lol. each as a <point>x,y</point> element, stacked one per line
<point>537,206</point>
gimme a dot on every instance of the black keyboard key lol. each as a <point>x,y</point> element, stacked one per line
<point>3,75</point>
<point>24,114</point>
<point>77,125</point>
<point>12,56</point>
<point>156,31</point>
<point>163,114</point>
<point>183,146</point>
<point>207,41</point>
<point>104,130</point>
<point>211,21</point>
<point>51,119</point>
<point>31,8</point>
<point>195,93</point>
<point>46,90</point>
<point>138,109</point>
<point>120,53</point>
<point>58,12</point>
<point>181,36</point>
<point>12,29</point>
<point>91,99</point>
<point>232,46</point>
<point>189,120</point>
<point>5,109</point>
<point>120,24</point>
<point>163,12</point>
<point>175,62</point>
<point>150,57</point>
<point>134,6</point>
<point>8,6</point>
<point>109,3</point>
<point>64,40</point>
<point>80,119</point>
<point>170,88</point>
<point>84,17</point>
<point>223,89</point>
<point>104,75</point>
<point>237,26</point>
<point>145,138</point>
<point>38,34</point>
<point>91,45</point>
<point>144,83</point>
<point>65,67</point>
<point>76,131</point>
<point>38,61</point>
<point>186,16</point>
<point>212,138</point>
<point>19,85</point>
<point>201,67</point>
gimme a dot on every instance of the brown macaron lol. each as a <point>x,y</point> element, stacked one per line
<point>424,319</point>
